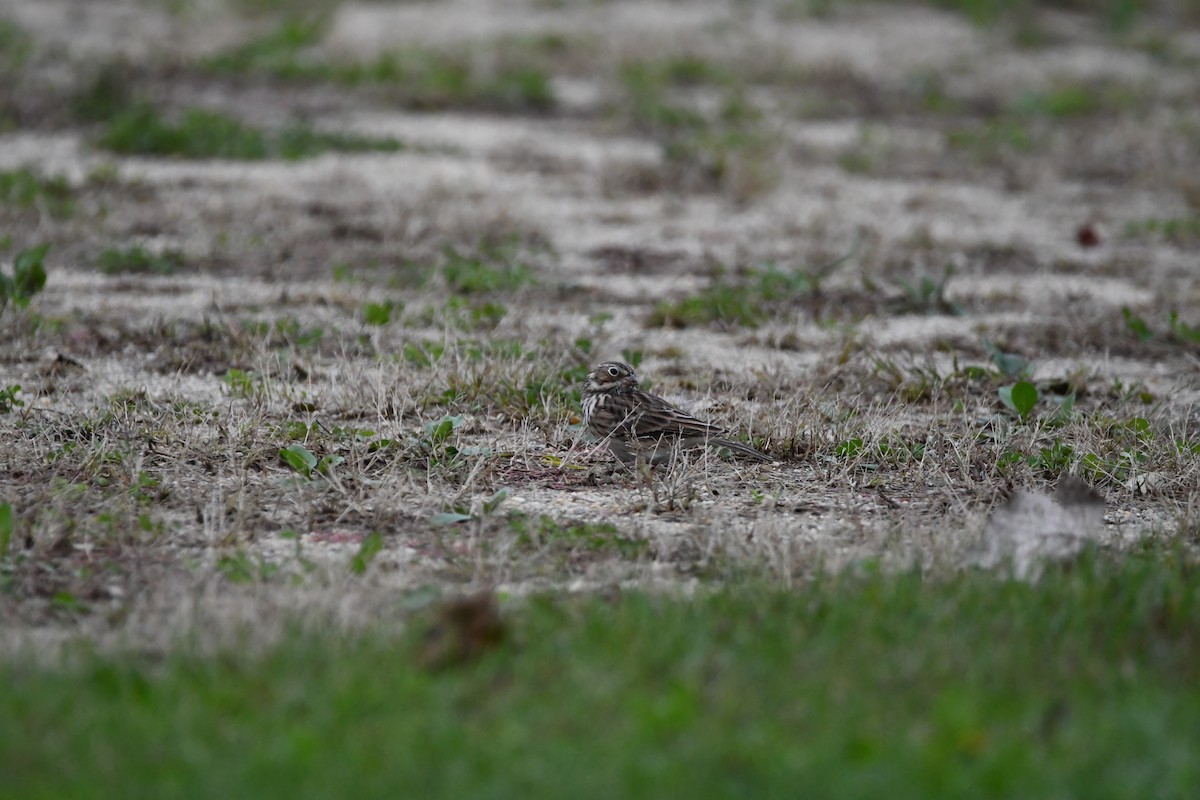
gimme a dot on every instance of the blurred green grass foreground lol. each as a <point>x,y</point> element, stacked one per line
<point>873,684</point>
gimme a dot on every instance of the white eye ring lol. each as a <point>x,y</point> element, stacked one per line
<point>613,372</point>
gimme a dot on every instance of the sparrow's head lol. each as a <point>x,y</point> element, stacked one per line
<point>610,376</point>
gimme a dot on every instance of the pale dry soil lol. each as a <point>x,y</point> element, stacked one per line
<point>151,501</point>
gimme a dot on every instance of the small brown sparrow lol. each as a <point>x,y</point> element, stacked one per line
<point>634,423</point>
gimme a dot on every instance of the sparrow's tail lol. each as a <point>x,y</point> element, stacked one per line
<point>741,449</point>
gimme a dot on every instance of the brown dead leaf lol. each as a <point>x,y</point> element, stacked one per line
<point>464,629</point>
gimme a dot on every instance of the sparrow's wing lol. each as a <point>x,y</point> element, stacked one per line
<point>655,417</point>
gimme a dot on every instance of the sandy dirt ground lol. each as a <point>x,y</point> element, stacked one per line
<point>1059,178</point>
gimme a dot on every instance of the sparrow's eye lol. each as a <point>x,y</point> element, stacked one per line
<point>613,372</point>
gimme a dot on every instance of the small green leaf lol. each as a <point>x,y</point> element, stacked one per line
<point>65,601</point>
<point>327,463</point>
<point>8,396</point>
<point>1009,364</point>
<point>378,313</point>
<point>414,354</point>
<point>440,431</point>
<point>1137,325</point>
<point>493,502</point>
<point>236,568</point>
<point>973,373</point>
<point>849,448</point>
<point>1181,445</point>
<point>1062,415</point>
<point>1008,458</point>
<point>1182,331</point>
<point>299,458</point>
<point>29,274</point>
<point>372,543</point>
<point>297,430</point>
<point>1020,397</point>
<point>28,278</point>
<point>6,527</point>
<point>1137,425</point>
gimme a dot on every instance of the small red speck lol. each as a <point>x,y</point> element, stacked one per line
<point>1087,235</point>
